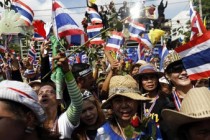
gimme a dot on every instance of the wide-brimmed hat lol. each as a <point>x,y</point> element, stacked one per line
<point>141,62</point>
<point>22,93</point>
<point>123,86</point>
<point>195,107</point>
<point>171,59</point>
<point>147,69</point>
<point>31,83</point>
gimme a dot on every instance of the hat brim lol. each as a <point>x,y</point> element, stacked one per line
<point>176,119</point>
<point>138,76</point>
<point>30,103</point>
<point>173,64</point>
<point>134,96</point>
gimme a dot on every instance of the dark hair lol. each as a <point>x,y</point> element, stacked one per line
<point>79,132</point>
<point>59,108</point>
<point>18,109</point>
<point>142,89</point>
<point>133,66</point>
<point>78,67</point>
<point>20,112</point>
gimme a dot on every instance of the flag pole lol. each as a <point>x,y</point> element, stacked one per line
<point>84,45</point>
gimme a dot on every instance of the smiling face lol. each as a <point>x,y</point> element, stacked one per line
<point>89,114</point>
<point>47,97</point>
<point>124,108</point>
<point>149,82</point>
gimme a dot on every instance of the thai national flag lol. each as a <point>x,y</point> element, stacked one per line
<point>135,29</point>
<point>2,49</point>
<point>76,40</point>
<point>24,10</point>
<point>32,54</point>
<point>38,37</point>
<point>163,54</point>
<point>63,24</point>
<point>195,56</point>
<point>94,16</point>
<point>197,26</point>
<point>146,41</point>
<point>92,31</point>
<point>115,41</point>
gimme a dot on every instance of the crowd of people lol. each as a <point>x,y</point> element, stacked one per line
<point>105,101</point>
<point>167,105</point>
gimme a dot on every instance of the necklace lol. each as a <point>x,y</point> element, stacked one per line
<point>120,128</point>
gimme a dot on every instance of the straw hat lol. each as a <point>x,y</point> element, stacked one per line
<point>147,69</point>
<point>22,93</point>
<point>123,86</point>
<point>171,59</point>
<point>141,62</point>
<point>195,107</point>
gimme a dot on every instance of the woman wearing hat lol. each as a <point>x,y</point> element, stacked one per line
<point>124,96</point>
<point>192,122</point>
<point>20,113</point>
<point>91,119</point>
<point>148,79</point>
<point>177,75</point>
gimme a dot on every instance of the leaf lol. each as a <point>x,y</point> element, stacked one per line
<point>119,26</point>
<point>129,130</point>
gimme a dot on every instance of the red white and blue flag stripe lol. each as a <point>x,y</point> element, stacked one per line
<point>94,16</point>
<point>164,53</point>
<point>38,37</point>
<point>24,10</point>
<point>197,26</point>
<point>92,31</point>
<point>63,24</point>
<point>115,41</point>
<point>32,54</point>
<point>195,56</point>
<point>76,40</point>
<point>146,41</point>
<point>2,49</point>
<point>135,29</point>
<point>177,101</point>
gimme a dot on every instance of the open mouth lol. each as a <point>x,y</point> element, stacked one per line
<point>44,101</point>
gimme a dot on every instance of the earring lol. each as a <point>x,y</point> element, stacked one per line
<point>29,129</point>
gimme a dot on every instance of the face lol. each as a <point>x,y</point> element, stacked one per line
<point>89,113</point>
<point>47,97</point>
<point>9,123</point>
<point>165,88</point>
<point>135,71</point>
<point>124,108</point>
<point>200,131</point>
<point>149,82</point>
<point>178,76</point>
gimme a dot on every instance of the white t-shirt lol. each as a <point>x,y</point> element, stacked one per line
<point>65,127</point>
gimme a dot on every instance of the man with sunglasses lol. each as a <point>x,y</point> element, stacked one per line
<point>177,75</point>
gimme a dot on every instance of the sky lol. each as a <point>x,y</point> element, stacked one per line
<point>42,8</point>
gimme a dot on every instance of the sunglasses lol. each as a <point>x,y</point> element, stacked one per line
<point>86,94</point>
<point>176,68</point>
<point>147,77</point>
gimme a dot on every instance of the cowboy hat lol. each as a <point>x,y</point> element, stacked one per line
<point>147,69</point>
<point>123,86</point>
<point>194,108</point>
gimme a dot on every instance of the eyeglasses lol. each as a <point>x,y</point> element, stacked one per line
<point>176,68</point>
